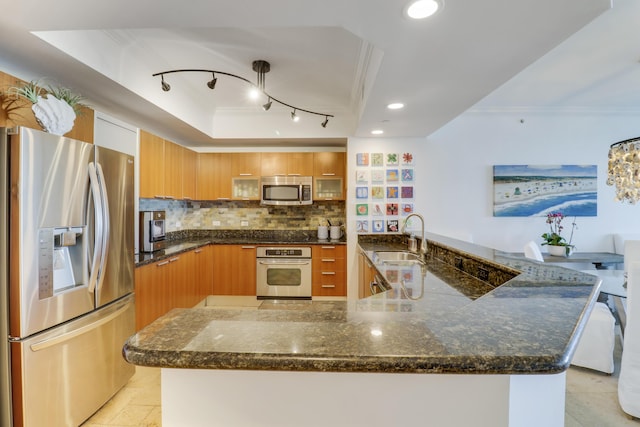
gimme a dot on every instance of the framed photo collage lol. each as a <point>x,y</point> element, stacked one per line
<point>384,191</point>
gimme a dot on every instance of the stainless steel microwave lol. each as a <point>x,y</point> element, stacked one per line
<point>286,190</point>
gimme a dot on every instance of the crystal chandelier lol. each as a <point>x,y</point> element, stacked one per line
<point>624,170</point>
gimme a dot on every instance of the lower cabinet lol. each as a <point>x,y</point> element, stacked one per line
<point>180,281</point>
<point>234,270</point>
<point>366,276</point>
<point>329,272</point>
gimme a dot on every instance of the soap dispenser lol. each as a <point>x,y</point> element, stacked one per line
<point>413,243</point>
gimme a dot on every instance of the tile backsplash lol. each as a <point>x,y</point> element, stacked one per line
<point>202,215</point>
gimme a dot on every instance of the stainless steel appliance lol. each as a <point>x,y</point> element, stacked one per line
<point>152,231</point>
<point>286,190</point>
<point>66,277</point>
<point>283,272</point>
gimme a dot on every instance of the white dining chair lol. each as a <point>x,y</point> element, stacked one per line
<point>532,251</point>
<point>595,348</point>
<point>629,380</point>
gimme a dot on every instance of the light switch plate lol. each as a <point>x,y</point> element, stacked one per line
<point>216,223</point>
<point>244,223</point>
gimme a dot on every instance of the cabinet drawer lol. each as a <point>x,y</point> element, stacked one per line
<point>329,251</point>
<point>328,264</point>
<point>329,283</point>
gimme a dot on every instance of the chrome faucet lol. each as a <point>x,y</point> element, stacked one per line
<point>423,242</point>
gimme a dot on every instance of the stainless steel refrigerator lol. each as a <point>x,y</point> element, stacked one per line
<point>66,277</point>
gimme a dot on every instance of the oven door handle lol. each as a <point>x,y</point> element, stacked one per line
<point>281,261</point>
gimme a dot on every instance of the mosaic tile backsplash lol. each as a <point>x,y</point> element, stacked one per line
<point>202,215</point>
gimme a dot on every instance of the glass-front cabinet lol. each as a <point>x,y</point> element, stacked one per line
<point>245,188</point>
<point>328,188</point>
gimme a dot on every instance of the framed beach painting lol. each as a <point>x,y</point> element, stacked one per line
<point>536,190</point>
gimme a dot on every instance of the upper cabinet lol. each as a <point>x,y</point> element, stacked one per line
<point>328,175</point>
<point>189,174</point>
<point>329,163</point>
<point>151,165</point>
<point>245,164</point>
<point>287,164</point>
<point>163,169</point>
<point>214,176</point>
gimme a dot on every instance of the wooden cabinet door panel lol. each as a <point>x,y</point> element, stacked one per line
<point>300,164</point>
<point>172,170</point>
<point>245,164</point>
<point>214,176</point>
<point>151,165</point>
<point>189,174</point>
<point>329,163</point>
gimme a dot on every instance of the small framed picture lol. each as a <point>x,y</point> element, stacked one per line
<point>362,226</point>
<point>392,159</point>
<point>392,192</point>
<point>377,159</point>
<point>362,159</point>
<point>406,175</point>
<point>362,209</point>
<point>362,192</point>
<point>378,226</point>
<point>392,225</point>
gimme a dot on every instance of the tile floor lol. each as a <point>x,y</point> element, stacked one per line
<point>591,400</point>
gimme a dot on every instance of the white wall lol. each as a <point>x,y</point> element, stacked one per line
<point>454,175</point>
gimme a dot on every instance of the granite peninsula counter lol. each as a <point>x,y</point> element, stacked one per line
<point>470,310</point>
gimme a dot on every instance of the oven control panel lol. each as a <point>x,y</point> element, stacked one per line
<point>284,252</point>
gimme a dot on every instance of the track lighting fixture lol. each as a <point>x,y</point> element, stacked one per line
<point>266,106</point>
<point>212,83</point>
<point>165,86</point>
<point>261,67</point>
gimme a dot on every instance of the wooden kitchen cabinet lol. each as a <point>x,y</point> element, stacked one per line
<point>172,173</point>
<point>151,165</point>
<point>328,175</point>
<point>189,174</point>
<point>235,270</point>
<point>329,272</point>
<point>366,275</point>
<point>287,164</point>
<point>214,176</point>
<point>180,281</point>
<point>245,164</point>
<point>329,163</point>
<point>161,167</point>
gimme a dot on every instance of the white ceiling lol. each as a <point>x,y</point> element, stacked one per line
<point>348,58</point>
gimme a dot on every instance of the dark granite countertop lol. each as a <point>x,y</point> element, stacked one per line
<point>442,319</point>
<point>183,241</point>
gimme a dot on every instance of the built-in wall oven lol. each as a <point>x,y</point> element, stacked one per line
<point>283,272</point>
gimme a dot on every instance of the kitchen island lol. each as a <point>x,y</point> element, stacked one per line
<point>472,337</point>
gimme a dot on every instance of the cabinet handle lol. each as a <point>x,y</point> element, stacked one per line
<point>294,174</point>
<point>329,174</point>
<point>169,197</point>
<point>328,260</point>
<point>198,251</point>
<point>328,273</point>
<point>174,259</point>
<point>328,286</point>
<point>328,198</point>
<point>158,197</point>
<point>246,174</point>
<point>248,247</point>
<point>223,198</point>
<point>160,264</point>
<point>328,247</point>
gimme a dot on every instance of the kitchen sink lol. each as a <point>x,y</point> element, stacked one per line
<point>397,257</point>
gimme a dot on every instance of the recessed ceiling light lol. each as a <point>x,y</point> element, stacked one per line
<point>377,132</point>
<point>395,106</point>
<point>421,9</point>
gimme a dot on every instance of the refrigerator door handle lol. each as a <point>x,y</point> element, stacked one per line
<point>105,224</point>
<point>99,227</point>
<point>41,345</point>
